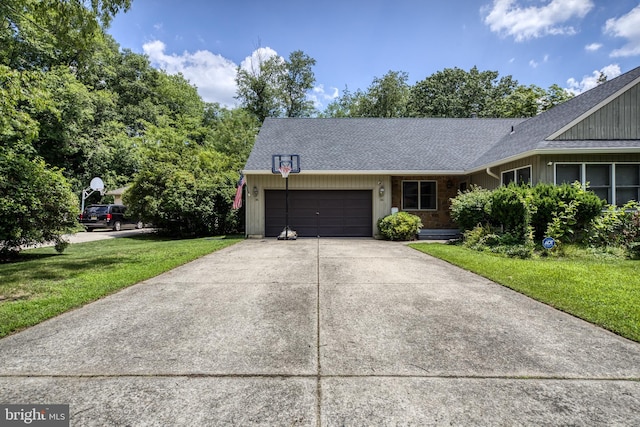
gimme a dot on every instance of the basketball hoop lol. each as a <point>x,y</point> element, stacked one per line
<point>285,169</point>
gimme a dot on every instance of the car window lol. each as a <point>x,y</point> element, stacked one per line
<point>97,209</point>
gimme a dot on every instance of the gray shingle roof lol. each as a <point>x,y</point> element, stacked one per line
<point>377,144</point>
<point>425,144</point>
<point>532,134</point>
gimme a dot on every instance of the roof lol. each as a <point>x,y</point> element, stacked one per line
<point>535,134</point>
<point>374,145</point>
<point>432,145</point>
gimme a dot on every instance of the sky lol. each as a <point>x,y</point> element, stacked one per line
<point>537,42</point>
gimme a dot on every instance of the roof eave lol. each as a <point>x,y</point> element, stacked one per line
<point>552,151</point>
<point>362,172</point>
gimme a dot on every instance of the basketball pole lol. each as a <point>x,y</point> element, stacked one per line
<point>286,208</point>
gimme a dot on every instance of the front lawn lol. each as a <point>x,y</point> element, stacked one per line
<point>605,292</point>
<point>43,284</point>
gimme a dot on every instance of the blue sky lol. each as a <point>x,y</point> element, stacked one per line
<point>541,42</point>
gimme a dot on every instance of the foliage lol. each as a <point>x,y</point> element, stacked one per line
<point>452,92</point>
<point>400,226</point>
<point>510,218</point>
<point>563,204</point>
<point>471,207</point>
<point>36,204</point>
<point>618,227</point>
<point>511,208</point>
<point>183,187</point>
<point>274,87</point>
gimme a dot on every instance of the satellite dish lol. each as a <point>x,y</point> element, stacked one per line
<point>96,184</point>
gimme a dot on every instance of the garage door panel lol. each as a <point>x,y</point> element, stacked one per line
<point>330,213</point>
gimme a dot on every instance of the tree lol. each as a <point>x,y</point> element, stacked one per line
<point>297,79</point>
<point>38,34</point>
<point>183,187</point>
<point>454,92</point>
<point>555,95</point>
<point>273,87</point>
<point>258,87</point>
<point>386,97</point>
<point>36,204</point>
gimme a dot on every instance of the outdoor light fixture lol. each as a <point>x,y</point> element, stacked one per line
<point>550,164</point>
<point>381,191</point>
<point>449,183</point>
<point>255,191</point>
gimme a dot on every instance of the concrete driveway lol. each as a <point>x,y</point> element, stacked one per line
<point>323,332</point>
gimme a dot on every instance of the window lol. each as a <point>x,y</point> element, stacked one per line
<point>616,183</point>
<point>519,176</point>
<point>599,179</point>
<point>419,195</point>
<point>627,183</point>
<point>568,173</point>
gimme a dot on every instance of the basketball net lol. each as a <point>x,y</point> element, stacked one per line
<point>285,168</point>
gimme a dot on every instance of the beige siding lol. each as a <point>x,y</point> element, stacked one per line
<point>484,180</point>
<point>255,215</point>
<point>619,119</point>
<point>542,166</point>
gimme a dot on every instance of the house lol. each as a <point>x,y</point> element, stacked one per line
<point>355,171</point>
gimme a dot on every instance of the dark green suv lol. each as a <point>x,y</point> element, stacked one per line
<point>108,216</point>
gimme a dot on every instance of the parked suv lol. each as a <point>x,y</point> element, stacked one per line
<point>108,216</point>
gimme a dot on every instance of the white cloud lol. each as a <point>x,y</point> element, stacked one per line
<point>533,64</point>
<point>628,27</point>
<point>506,17</point>
<point>320,97</point>
<point>212,74</point>
<point>593,47</point>
<point>589,82</point>
<point>252,63</point>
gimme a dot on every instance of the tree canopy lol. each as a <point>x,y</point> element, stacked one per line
<point>452,92</point>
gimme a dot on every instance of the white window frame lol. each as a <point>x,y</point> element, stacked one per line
<point>420,181</point>
<point>583,174</point>
<point>515,174</point>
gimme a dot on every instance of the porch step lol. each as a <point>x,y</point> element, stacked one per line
<point>438,234</point>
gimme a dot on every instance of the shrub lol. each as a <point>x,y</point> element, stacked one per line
<point>471,207</point>
<point>551,200</point>
<point>511,209</point>
<point>618,227</point>
<point>400,226</point>
<point>37,204</point>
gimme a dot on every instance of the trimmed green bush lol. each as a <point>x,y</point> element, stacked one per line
<point>471,208</point>
<point>551,202</point>
<point>400,226</point>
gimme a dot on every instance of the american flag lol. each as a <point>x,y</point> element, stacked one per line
<point>237,202</point>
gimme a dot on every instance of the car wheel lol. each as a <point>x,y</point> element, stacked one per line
<point>117,226</point>
<point>139,225</point>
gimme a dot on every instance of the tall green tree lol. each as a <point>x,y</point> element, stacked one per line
<point>386,97</point>
<point>274,87</point>
<point>454,92</point>
<point>42,33</point>
<point>298,78</point>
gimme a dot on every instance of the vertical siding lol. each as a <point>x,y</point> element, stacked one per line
<point>619,119</point>
<point>255,214</point>
<point>484,180</point>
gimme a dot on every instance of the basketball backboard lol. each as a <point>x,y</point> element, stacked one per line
<point>290,160</point>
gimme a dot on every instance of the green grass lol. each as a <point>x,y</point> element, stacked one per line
<point>42,283</point>
<point>603,291</point>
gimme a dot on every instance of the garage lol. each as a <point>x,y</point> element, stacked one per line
<point>324,213</point>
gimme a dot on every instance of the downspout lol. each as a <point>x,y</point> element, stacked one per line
<point>491,174</point>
